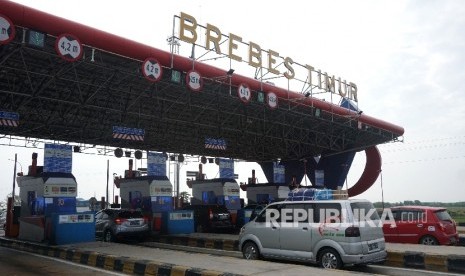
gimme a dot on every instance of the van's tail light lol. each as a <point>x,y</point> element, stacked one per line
<point>352,231</point>
<point>210,213</point>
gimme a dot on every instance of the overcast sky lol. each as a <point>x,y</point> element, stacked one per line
<point>406,58</point>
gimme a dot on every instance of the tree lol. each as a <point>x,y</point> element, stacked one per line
<point>17,200</point>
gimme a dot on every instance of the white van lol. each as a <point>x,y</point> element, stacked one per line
<point>331,233</point>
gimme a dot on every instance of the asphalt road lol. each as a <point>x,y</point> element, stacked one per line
<point>14,262</point>
<point>368,270</point>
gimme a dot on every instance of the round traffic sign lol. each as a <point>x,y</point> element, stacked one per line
<point>69,47</point>
<point>272,100</point>
<point>244,93</point>
<point>194,80</point>
<point>152,70</point>
<point>7,30</point>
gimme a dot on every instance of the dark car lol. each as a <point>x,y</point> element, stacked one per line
<point>421,224</point>
<point>211,218</point>
<point>117,224</point>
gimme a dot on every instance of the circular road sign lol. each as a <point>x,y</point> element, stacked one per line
<point>69,47</point>
<point>7,30</point>
<point>194,80</point>
<point>272,100</point>
<point>152,69</point>
<point>244,93</point>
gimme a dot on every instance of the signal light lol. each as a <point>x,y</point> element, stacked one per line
<point>118,152</point>
<point>203,160</point>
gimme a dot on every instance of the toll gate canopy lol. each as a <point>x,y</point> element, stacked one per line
<point>82,101</point>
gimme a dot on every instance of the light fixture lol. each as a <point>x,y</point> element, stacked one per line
<point>260,96</point>
<point>203,160</point>
<point>36,39</point>
<point>76,149</point>
<point>175,76</point>
<point>307,94</point>
<point>138,154</point>
<point>127,153</point>
<point>211,160</point>
<point>118,152</point>
<point>230,72</point>
<point>180,158</point>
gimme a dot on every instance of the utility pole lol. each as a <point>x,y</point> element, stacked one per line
<point>14,178</point>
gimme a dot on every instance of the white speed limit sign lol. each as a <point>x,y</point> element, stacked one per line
<point>69,47</point>
<point>244,93</point>
<point>152,69</point>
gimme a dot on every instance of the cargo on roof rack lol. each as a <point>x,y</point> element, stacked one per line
<point>302,194</point>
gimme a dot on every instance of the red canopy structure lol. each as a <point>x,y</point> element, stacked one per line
<point>81,101</point>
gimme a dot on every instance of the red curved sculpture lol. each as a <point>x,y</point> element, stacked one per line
<point>53,25</point>
<point>370,173</point>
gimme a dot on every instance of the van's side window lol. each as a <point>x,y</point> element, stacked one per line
<point>293,213</point>
<point>327,213</point>
<point>272,211</point>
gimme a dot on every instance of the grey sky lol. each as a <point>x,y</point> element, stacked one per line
<point>406,58</point>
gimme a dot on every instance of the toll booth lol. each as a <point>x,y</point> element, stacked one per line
<point>152,194</point>
<point>265,193</point>
<point>221,191</point>
<point>48,209</point>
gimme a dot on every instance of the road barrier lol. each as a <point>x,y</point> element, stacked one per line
<point>109,262</point>
<point>407,259</point>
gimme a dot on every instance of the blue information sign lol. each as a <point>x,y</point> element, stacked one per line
<point>156,164</point>
<point>278,173</point>
<point>127,133</point>
<point>9,118</point>
<point>226,168</point>
<point>58,158</point>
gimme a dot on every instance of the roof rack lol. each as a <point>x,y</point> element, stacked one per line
<point>303,194</point>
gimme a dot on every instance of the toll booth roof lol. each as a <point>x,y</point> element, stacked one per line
<point>244,186</point>
<point>213,180</point>
<point>46,175</point>
<point>267,184</point>
<point>148,178</point>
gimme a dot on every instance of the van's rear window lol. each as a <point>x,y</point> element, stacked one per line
<point>364,211</point>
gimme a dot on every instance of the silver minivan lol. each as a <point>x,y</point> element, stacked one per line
<point>331,233</point>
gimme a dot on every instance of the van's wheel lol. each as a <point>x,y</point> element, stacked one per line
<point>428,240</point>
<point>250,251</point>
<point>330,259</point>
<point>108,236</point>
